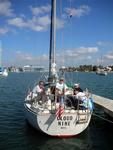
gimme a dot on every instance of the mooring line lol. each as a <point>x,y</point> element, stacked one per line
<point>103,118</point>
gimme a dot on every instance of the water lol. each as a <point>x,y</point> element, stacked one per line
<point>17,134</point>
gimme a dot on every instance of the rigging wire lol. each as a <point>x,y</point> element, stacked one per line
<point>70,8</point>
<point>71,32</point>
<point>61,8</point>
<point>62,39</point>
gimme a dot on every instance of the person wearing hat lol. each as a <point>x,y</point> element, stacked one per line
<point>73,100</point>
<point>77,88</point>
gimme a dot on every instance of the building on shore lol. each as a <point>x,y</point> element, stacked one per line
<point>31,68</point>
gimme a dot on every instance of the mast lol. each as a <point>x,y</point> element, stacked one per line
<point>52,64</point>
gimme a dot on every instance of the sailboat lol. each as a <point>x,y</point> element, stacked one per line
<point>45,112</point>
<point>3,72</point>
<point>101,70</point>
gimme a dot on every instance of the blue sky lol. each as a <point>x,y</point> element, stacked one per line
<point>81,39</point>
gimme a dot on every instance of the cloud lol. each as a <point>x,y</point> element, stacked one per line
<point>104,43</point>
<point>60,23</point>
<point>36,23</point>
<point>86,50</point>
<point>22,58</point>
<point>18,22</point>
<point>80,55</point>
<point>0,46</point>
<point>89,57</point>
<point>78,12</point>
<point>5,8</point>
<point>81,51</point>
<point>66,58</point>
<point>3,31</point>
<point>109,56</point>
<point>39,21</point>
<point>40,10</point>
<point>106,59</point>
<point>43,20</point>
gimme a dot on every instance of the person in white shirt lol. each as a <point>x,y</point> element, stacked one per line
<point>40,93</point>
<point>60,91</point>
<point>61,87</point>
<point>39,88</point>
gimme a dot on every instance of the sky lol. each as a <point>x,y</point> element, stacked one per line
<point>84,32</point>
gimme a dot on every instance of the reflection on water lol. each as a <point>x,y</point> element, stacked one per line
<point>50,143</point>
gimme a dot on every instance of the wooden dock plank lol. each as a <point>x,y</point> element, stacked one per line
<point>105,103</point>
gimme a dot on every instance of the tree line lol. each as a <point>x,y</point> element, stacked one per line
<point>84,68</point>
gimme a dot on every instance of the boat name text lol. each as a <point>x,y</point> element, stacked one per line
<point>64,120</point>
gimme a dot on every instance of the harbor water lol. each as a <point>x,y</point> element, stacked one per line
<point>17,134</point>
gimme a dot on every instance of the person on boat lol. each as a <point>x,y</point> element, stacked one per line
<point>39,92</point>
<point>39,88</point>
<point>61,87</point>
<point>60,90</point>
<point>74,99</point>
<point>77,88</point>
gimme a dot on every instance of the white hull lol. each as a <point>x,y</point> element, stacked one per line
<point>101,72</point>
<point>4,73</point>
<point>69,125</point>
<point>51,108</point>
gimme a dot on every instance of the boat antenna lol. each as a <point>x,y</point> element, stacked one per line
<point>52,63</point>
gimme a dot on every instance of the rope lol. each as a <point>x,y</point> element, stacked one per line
<point>103,118</point>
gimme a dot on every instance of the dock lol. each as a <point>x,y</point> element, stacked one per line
<point>105,103</point>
